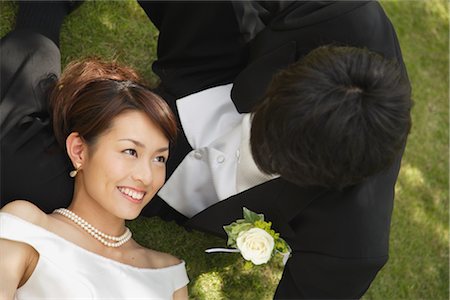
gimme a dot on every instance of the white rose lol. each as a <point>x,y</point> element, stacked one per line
<point>255,245</point>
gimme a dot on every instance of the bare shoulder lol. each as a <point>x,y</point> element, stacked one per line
<point>26,211</point>
<point>16,249</point>
<point>160,259</point>
<point>18,263</point>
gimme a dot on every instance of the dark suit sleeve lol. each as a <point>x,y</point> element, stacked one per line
<point>303,26</point>
<point>33,166</point>
<point>318,276</point>
<point>200,44</point>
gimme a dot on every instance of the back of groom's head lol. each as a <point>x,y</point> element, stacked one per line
<point>332,119</point>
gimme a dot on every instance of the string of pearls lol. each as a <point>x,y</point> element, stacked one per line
<point>105,239</point>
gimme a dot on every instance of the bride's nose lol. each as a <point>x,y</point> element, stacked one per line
<point>143,173</point>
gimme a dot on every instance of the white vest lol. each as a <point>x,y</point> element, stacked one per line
<point>221,164</point>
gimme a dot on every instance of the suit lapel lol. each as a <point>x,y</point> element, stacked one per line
<point>312,12</point>
<point>278,200</point>
<point>250,85</point>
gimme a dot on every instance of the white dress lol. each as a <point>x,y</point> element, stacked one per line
<point>67,271</point>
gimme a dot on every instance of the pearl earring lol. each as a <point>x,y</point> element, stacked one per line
<point>74,173</point>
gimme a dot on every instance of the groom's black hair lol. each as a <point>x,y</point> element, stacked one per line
<point>334,118</point>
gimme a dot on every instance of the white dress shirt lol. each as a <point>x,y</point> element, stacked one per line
<point>221,164</point>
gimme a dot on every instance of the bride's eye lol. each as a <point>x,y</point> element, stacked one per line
<point>160,159</point>
<point>131,152</point>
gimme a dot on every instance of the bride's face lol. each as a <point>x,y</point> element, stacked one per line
<point>126,166</point>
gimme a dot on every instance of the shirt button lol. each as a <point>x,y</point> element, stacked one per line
<point>220,159</point>
<point>198,154</point>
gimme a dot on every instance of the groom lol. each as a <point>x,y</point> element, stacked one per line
<point>319,156</point>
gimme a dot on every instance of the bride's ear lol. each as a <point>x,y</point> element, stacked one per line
<point>76,149</point>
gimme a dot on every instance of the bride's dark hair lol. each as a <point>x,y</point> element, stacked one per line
<point>91,93</point>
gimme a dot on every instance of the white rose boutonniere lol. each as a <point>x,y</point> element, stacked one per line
<point>255,245</point>
<point>254,239</point>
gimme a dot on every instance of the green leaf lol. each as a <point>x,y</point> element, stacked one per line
<point>281,246</point>
<point>231,236</point>
<point>233,231</point>
<point>248,265</point>
<point>252,217</point>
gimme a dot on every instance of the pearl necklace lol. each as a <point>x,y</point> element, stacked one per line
<point>105,239</point>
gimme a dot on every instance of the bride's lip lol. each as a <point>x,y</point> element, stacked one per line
<point>125,191</point>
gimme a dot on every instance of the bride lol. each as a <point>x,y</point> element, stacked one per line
<point>116,133</point>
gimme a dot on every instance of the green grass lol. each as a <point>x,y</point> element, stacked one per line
<point>418,265</point>
<point>419,244</point>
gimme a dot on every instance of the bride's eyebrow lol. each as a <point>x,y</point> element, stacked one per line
<point>137,143</point>
<point>164,149</point>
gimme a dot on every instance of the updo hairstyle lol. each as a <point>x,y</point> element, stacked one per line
<point>91,93</point>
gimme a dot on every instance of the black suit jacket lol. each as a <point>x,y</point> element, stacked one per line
<point>339,238</point>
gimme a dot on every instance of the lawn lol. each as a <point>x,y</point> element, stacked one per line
<point>419,244</point>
